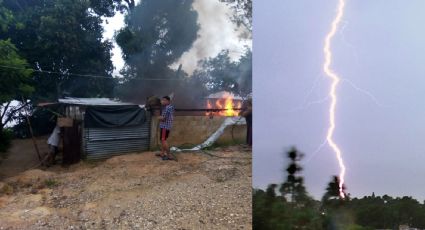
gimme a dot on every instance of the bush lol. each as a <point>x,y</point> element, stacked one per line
<point>51,183</point>
<point>6,189</point>
<point>6,137</point>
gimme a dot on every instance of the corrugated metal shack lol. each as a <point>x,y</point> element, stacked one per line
<point>105,127</point>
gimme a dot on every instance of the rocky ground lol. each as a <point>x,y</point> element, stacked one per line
<point>203,190</point>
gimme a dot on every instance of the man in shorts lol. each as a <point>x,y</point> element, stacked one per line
<point>165,125</point>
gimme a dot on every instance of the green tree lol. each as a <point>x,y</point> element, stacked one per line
<point>243,11</point>
<point>332,195</point>
<point>64,36</point>
<point>386,212</point>
<point>274,211</point>
<point>221,73</point>
<point>335,207</point>
<point>6,18</point>
<point>156,34</point>
<point>14,84</point>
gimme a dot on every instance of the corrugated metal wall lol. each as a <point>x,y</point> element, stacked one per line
<point>102,143</point>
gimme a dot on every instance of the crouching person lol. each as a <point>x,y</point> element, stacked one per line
<point>53,143</point>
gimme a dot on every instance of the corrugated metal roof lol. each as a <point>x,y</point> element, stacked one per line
<point>92,101</point>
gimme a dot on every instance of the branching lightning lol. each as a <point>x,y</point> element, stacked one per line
<point>364,91</point>
<point>349,44</point>
<point>313,88</point>
<point>308,104</point>
<point>332,93</point>
<point>315,152</point>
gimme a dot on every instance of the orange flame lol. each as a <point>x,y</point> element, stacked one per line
<point>226,103</point>
<point>209,106</point>
<point>230,112</point>
<point>218,104</point>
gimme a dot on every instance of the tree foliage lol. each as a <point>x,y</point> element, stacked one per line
<point>15,79</point>
<point>275,211</point>
<point>63,36</point>
<point>156,34</point>
<point>332,195</point>
<point>293,208</point>
<point>293,187</point>
<point>14,84</point>
<point>221,73</point>
<point>242,11</point>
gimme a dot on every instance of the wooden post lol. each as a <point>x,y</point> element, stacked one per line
<point>31,132</point>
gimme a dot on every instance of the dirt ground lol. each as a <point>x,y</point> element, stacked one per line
<point>203,190</point>
<point>22,156</point>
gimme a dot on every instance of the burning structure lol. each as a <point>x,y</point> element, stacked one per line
<point>193,126</point>
<point>96,128</point>
<point>224,104</point>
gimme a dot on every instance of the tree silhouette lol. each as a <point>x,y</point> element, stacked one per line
<point>332,192</point>
<point>293,188</point>
<point>272,211</point>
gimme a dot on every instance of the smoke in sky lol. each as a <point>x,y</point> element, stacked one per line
<point>217,32</point>
<point>111,25</point>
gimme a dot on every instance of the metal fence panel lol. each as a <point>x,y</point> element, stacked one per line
<point>100,143</point>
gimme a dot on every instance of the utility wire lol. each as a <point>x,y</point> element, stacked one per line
<point>96,76</point>
<point>85,75</point>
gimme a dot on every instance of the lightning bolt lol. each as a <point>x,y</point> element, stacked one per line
<point>332,93</point>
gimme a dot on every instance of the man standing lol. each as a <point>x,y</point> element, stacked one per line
<point>165,125</point>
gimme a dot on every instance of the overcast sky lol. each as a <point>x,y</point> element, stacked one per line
<point>380,48</point>
<point>216,33</point>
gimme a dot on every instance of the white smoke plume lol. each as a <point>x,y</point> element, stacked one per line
<point>217,32</point>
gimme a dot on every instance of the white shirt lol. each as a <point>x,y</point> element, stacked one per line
<point>54,137</point>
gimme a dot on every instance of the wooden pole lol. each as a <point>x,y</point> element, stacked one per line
<point>31,132</point>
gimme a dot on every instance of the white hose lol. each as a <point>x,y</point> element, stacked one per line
<point>213,138</point>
